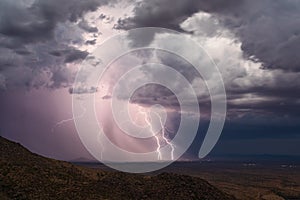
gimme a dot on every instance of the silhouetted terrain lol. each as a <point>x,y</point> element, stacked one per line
<point>24,175</point>
<point>247,180</point>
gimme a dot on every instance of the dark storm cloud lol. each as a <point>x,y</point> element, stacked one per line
<point>33,45</point>
<point>41,65</point>
<point>70,55</point>
<point>75,55</point>
<point>23,51</point>
<point>85,26</point>
<point>151,94</point>
<point>275,107</point>
<point>83,90</point>
<point>169,13</point>
<point>91,42</point>
<point>32,23</point>
<point>280,97</point>
<point>269,29</point>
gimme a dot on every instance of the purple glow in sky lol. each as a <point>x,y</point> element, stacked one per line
<point>255,45</point>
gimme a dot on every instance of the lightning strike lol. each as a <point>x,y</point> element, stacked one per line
<point>163,133</point>
<point>163,129</point>
<point>148,121</point>
<point>60,123</point>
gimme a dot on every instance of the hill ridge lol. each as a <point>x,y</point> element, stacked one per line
<point>25,175</point>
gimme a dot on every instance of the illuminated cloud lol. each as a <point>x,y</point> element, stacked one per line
<point>40,37</point>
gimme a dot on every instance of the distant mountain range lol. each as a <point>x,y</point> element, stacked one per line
<point>264,158</point>
<point>24,175</point>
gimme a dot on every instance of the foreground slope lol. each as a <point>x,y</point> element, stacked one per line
<point>24,175</point>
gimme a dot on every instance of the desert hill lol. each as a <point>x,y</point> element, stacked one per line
<point>24,175</point>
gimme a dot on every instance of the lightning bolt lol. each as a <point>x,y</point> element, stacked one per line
<point>148,121</point>
<point>60,123</point>
<point>163,133</point>
<point>163,129</point>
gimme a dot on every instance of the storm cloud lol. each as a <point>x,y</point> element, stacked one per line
<point>38,39</point>
<point>268,30</point>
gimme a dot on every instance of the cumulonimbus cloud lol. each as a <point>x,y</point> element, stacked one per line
<point>37,40</point>
<point>269,30</point>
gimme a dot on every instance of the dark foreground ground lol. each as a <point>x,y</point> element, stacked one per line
<point>24,175</point>
<point>268,180</point>
<point>247,180</point>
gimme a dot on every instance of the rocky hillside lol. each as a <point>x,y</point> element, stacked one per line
<point>24,175</point>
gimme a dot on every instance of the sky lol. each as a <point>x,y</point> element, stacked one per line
<point>255,45</point>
